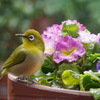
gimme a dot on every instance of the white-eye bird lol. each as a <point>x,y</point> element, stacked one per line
<point>27,58</point>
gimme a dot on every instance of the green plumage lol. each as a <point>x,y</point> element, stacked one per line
<point>28,57</point>
<point>16,57</point>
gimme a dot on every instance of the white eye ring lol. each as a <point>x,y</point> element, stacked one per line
<point>31,37</point>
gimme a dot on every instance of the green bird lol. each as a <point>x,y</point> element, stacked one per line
<point>27,58</point>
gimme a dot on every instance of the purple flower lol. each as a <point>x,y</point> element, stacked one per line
<point>98,67</point>
<point>50,36</point>
<point>99,42</point>
<point>68,49</point>
<point>98,38</point>
<point>62,47</point>
<point>52,31</point>
<point>49,45</point>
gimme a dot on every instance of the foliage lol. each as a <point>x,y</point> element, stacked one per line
<point>17,15</point>
<point>95,93</point>
<point>14,17</point>
<point>72,58</point>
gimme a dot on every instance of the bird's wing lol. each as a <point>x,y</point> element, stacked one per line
<point>15,58</point>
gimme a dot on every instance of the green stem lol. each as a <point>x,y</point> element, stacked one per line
<point>50,58</point>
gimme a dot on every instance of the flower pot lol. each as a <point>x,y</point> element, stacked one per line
<point>3,88</point>
<point>18,90</point>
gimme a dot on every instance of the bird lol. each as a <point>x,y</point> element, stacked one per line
<point>27,58</point>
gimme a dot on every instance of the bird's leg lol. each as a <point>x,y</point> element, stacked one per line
<point>31,81</point>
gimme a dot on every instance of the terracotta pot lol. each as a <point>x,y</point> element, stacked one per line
<point>18,90</point>
<point>3,88</point>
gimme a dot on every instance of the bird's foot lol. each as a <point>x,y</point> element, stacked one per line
<point>30,82</point>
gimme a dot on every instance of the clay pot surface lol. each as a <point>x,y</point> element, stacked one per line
<point>18,90</point>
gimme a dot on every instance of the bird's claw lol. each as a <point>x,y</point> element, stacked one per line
<point>30,82</point>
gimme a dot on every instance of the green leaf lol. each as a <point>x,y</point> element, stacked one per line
<point>65,66</point>
<point>96,48</point>
<point>94,57</point>
<point>41,77</point>
<point>57,83</point>
<point>43,81</point>
<point>93,75</point>
<point>38,74</point>
<point>70,77</point>
<point>89,80</point>
<point>95,93</point>
<point>70,30</point>
<point>63,33</point>
<point>48,66</point>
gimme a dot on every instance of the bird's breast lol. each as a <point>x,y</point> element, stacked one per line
<point>29,66</point>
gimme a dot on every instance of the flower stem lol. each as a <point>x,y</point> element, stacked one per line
<point>50,58</point>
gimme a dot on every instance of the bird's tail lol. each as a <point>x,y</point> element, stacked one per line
<point>2,73</point>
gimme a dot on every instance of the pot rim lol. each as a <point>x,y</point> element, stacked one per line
<point>47,88</point>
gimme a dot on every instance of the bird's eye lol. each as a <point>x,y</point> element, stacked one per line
<point>31,37</point>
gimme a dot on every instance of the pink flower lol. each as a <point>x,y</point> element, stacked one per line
<point>68,49</point>
<point>50,36</point>
<point>62,47</point>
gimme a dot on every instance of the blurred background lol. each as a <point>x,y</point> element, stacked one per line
<point>16,16</point>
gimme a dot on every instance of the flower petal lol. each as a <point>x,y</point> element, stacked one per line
<point>68,49</point>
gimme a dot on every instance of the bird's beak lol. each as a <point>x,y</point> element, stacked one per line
<point>20,35</point>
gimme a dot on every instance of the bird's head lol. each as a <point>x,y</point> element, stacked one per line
<point>32,38</point>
